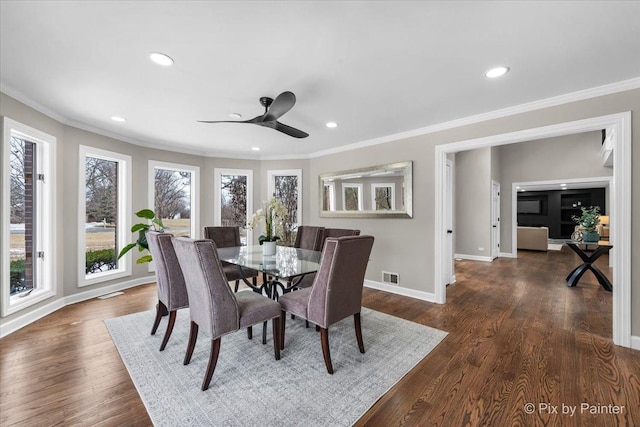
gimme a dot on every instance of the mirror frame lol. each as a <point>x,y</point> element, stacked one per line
<point>407,172</point>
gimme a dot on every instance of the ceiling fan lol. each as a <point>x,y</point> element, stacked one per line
<point>273,110</point>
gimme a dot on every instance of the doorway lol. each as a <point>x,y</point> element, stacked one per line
<point>495,219</point>
<point>620,123</point>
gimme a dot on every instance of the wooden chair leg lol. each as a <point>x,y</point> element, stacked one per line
<point>306,324</point>
<point>324,339</point>
<point>250,332</point>
<point>264,333</point>
<point>237,284</point>
<point>211,366</point>
<point>193,336</point>
<point>161,310</point>
<point>317,328</point>
<point>167,334</point>
<point>283,321</point>
<point>358,325</point>
<point>277,341</point>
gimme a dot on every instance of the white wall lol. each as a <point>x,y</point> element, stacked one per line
<point>472,203</point>
<point>405,246</point>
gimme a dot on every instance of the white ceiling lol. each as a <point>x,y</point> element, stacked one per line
<point>377,68</point>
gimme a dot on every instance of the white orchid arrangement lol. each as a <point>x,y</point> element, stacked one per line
<point>272,212</point>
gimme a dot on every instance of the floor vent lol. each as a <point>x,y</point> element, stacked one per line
<point>111,295</point>
<point>390,278</point>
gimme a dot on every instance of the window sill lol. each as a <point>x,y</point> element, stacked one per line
<point>96,278</point>
<point>17,303</point>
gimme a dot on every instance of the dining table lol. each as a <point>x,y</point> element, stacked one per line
<point>281,273</point>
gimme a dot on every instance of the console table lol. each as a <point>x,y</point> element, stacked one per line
<point>588,257</point>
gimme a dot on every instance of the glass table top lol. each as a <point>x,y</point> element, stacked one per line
<point>287,262</point>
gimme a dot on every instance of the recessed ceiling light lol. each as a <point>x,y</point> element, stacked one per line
<point>255,148</point>
<point>161,59</point>
<point>497,72</point>
<point>235,115</point>
<point>563,185</point>
<point>118,119</point>
<point>332,125</point>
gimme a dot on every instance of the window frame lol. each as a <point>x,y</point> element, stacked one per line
<point>123,236</point>
<point>357,186</point>
<point>195,194</point>
<point>375,186</point>
<point>45,228</point>
<point>332,195</point>
<point>217,206</point>
<point>271,187</point>
<point>195,189</point>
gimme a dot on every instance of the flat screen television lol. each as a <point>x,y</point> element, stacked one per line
<point>529,206</point>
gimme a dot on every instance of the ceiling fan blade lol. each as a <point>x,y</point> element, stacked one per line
<point>283,103</point>
<point>254,120</point>
<point>296,133</point>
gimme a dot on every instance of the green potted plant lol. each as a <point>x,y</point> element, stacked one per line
<point>589,220</point>
<point>155,224</point>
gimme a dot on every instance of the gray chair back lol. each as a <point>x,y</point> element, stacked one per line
<point>172,291</point>
<point>309,237</point>
<point>223,236</point>
<point>338,232</point>
<point>337,288</point>
<point>213,305</point>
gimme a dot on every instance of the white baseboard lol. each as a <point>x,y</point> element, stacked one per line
<point>508,255</point>
<point>30,317</point>
<point>473,257</point>
<point>22,321</point>
<point>83,296</point>
<point>635,342</point>
<point>421,295</point>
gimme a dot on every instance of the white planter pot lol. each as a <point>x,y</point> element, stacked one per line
<point>268,248</point>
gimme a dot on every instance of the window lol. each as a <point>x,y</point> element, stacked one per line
<point>329,196</point>
<point>28,216</point>
<point>383,196</point>
<point>352,197</point>
<point>103,215</point>
<point>173,196</point>
<point>285,186</point>
<point>233,203</point>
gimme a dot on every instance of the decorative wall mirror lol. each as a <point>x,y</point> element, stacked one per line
<point>383,191</point>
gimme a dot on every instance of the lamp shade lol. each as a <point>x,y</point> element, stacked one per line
<point>604,219</point>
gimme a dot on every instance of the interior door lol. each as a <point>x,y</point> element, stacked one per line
<point>448,269</point>
<point>495,219</point>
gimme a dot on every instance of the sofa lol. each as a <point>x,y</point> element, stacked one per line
<point>533,238</point>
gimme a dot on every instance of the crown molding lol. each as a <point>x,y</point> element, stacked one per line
<point>491,115</point>
<point>594,92</point>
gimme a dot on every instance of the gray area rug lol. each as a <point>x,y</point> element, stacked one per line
<point>251,388</point>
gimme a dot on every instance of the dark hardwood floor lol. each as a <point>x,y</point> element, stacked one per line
<point>517,335</point>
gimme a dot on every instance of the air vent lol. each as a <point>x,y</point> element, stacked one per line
<point>111,295</point>
<point>390,278</point>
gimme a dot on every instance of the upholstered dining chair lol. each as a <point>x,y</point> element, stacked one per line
<point>214,307</point>
<point>226,237</point>
<point>336,292</point>
<point>338,232</point>
<point>309,237</point>
<point>172,291</point>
